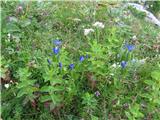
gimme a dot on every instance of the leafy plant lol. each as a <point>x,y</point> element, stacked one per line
<point>26,86</point>
<point>134,112</point>
<point>153,94</point>
<point>90,104</point>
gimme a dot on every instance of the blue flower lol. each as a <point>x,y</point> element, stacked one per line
<point>57,42</point>
<point>56,50</point>
<point>130,47</point>
<point>123,64</point>
<point>71,66</point>
<point>60,64</point>
<point>81,58</point>
<point>49,61</point>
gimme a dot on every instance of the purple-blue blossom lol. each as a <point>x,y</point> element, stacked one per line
<point>123,64</point>
<point>130,47</point>
<point>81,58</point>
<point>57,42</point>
<point>56,50</point>
<point>71,66</point>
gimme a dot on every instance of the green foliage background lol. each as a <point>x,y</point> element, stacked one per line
<point>39,91</point>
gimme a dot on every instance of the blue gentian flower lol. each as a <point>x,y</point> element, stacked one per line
<point>57,42</point>
<point>81,58</point>
<point>49,61</point>
<point>123,64</point>
<point>60,64</point>
<point>71,66</point>
<point>130,47</point>
<point>56,50</point>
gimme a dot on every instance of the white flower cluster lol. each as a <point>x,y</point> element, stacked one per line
<point>96,24</point>
<point>115,65</point>
<point>6,86</point>
<point>87,31</point>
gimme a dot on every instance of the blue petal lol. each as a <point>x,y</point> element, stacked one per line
<point>81,58</point>
<point>123,64</point>
<point>56,50</point>
<point>57,42</point>
<point>71,66</point>
<point>130,47</point>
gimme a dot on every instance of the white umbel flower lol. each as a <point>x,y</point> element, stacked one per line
<point>98,24</point>
<point>114,65</point>
<point>77,19</point>
<point>6,86</point>
<point>87,31</point>
<point>134,37</point>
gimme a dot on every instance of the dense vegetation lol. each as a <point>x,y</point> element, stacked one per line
<point>78,61</point>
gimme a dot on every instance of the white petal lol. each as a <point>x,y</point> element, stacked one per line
<point>6,85</point>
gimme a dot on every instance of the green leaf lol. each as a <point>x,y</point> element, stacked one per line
<point>11,27</point>
<point>21,93</point>
<point>146,95</point>
<point>26,83</point>
<point>56,81</point>
<point>46,89</point>
<point>94,118</point>
<point>156,75</point>
<point>56,98</point>
<point>51,88</point>
<point>45,98</point>
<point>25,22</point>
<point>128,115</point>
<point>149,82</point>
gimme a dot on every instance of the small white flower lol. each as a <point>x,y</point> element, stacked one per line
<point>11,81</point>
<point>77,19</point>
<point>114,65</point>
<point>98,24</point>
<point>87,31</point>
<point>9,37</point>
<point>94,13</point>
<point>112,74</point>
<point>6,86</point>
<point>134,37</point>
